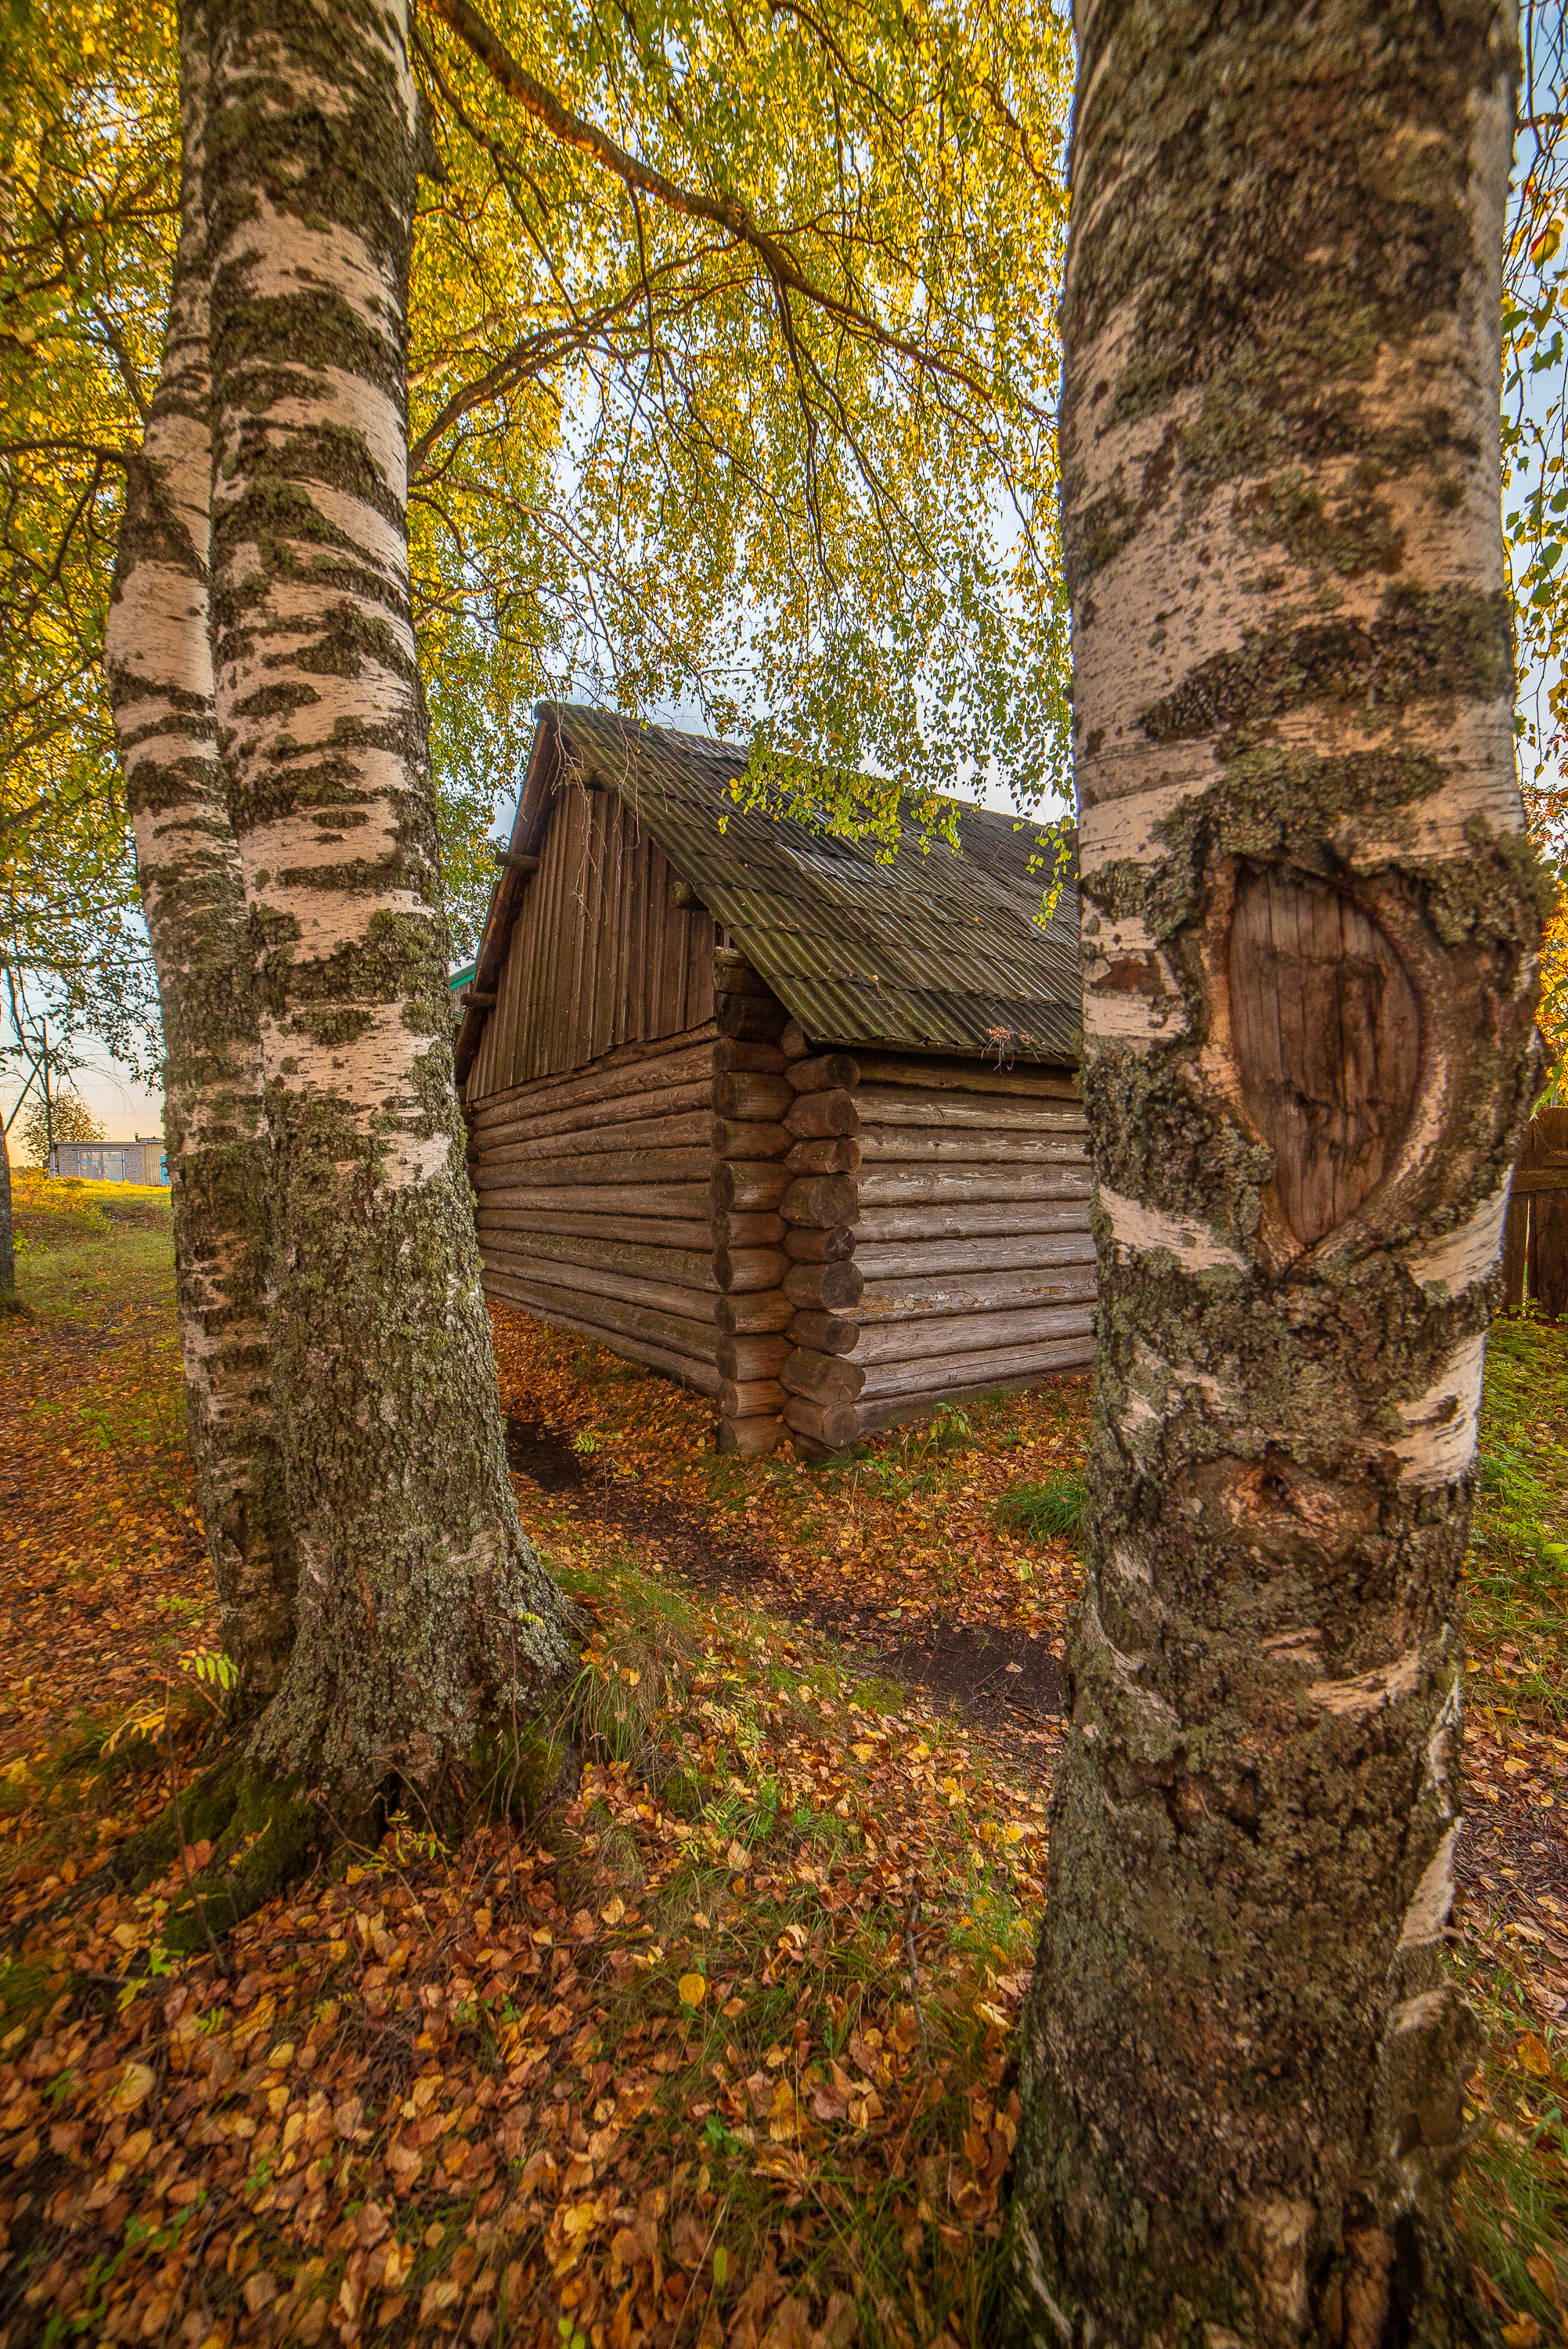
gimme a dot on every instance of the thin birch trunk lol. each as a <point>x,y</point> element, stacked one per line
<point>9,1300</point>
<point>423,1614</point>
<point>159,663</point>
<point>1311,924</point>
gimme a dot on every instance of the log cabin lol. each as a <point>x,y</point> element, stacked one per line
<point>788,1121</point>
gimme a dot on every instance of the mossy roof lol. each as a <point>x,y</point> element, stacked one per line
<point>930,949</point>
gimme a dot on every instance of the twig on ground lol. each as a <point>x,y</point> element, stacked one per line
<point>910,1919</point>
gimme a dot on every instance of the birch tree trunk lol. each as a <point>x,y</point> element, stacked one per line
<point>9,1300</point>
<point>160,670</point>
<point>422,1612</point>
<point>1311,924</point>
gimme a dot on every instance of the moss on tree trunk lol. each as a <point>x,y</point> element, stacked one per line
<point>1310,930</point>
<point>159,662</point>
<point>423,1617</point>
<point>9,1300</point>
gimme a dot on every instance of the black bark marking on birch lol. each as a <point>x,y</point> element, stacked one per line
<point>158,666</point>
<point>1328,1044</point>
<point>424,1619</point>
<point>1240,2060</point>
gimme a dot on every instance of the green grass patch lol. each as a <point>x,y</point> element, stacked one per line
<point>1517,1572</point>
<point>1049,1512</point>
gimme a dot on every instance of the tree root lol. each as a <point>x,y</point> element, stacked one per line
<point>264,1833</point>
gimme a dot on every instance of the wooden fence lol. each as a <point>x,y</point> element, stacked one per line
<point>1535,1237</point>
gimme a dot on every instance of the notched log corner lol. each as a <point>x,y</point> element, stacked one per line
<point>1327,1041</point>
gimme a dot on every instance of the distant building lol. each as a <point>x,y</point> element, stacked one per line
<point>142,1161</point>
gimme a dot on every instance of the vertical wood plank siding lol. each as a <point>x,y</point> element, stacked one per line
<point>1535,1236</point>
<point>598,956</point>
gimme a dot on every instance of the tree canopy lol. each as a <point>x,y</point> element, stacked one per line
<point>733,372</point>
<point>1534,457</point>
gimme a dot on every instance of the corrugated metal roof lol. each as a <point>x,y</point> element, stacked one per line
<point>933,950</point>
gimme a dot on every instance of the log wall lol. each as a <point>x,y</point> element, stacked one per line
<point>594,1202</point>
<point>939,1237</point>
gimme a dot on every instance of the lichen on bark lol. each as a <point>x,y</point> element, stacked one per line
<point>157,658</point>
<point>1242,2059</point>
<point>424,1618</point>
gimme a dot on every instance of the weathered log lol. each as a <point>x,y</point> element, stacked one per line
<point>936,1297</point>
<point>754,1354</point>
<point>758,1060</point>
<point>515,862</point>
<point>686,1267</point>
<point>687,1129</point>
<point>889,1380</point>
<point>629,1070</point>
<point>825,1112</point>
<point>748,1183</point>
<point>742,1095</point>
<point>807,1244</point>
<point>751,1439</point>
<point>693,1368</point>
<point>906,1410</point>
<point>821,1287</point>
<point>953,1075</point>
<point>734,975</point>
<point>833,1425</point>
<point>826,1378</point>
<point>920,1147</point>
<point>794,1043</point>
<point>644,1231</point>
<point>684,898</point>
<point>952,1220</point>
<point>673,1199</point>
<point>753,1398</point>
<point>916,1105</point>
<point>750,1019</point>
<point>753,1311</point>
<point>942,1337</point>
<point>744,1269</point>
<point>478,999</point>
<point>888,1186</point>
<point>749,1227</point>
<point>586,1280</point>
<point>584,1117</point>
<point>824,1333</point>
<point>821,1199</point>
<point>747,1138</point>
<point>652,1167</point>
<point>828,1072</point>
<point>924,1259</point>
<point>834,1154</point>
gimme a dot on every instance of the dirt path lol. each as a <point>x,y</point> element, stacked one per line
<point>1009,1689</point>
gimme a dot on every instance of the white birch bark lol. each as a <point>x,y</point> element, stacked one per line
<point>422,1611</point>
<point>160,670</point>
<point>1310,926</point>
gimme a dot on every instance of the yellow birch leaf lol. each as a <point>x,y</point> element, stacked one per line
<point>1533,2056</point>
<point>135,2087</point>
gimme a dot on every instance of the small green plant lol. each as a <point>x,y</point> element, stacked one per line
<point>1049,1512</point>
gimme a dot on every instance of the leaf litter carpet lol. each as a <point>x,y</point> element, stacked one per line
<point>719,2048</point>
